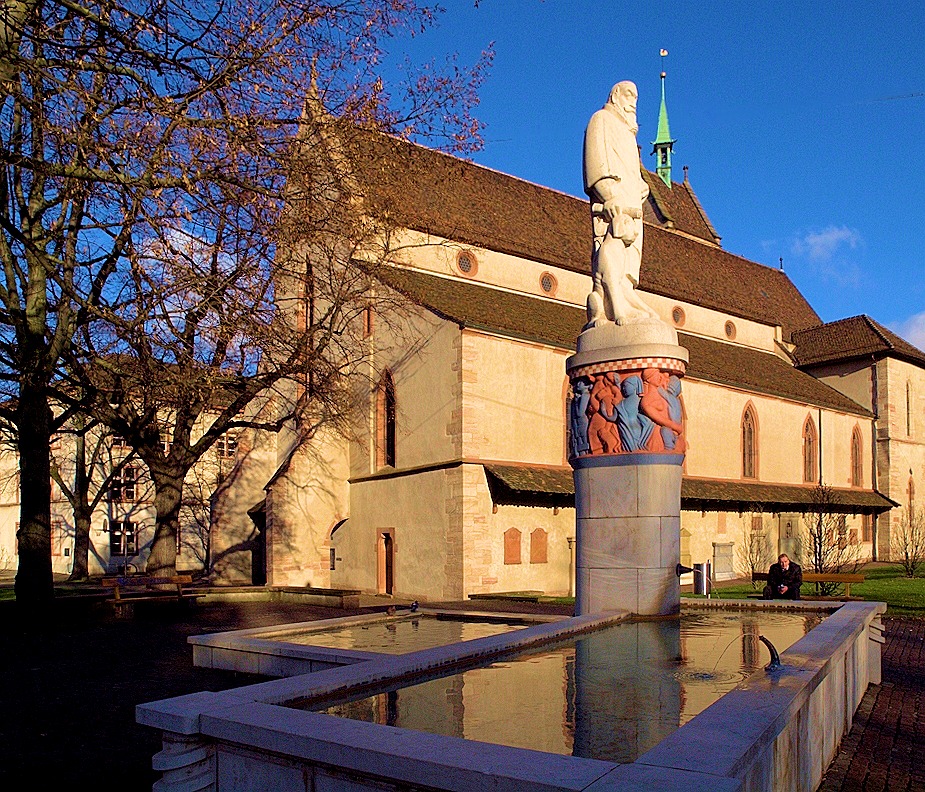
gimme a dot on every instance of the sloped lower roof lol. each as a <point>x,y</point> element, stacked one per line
<point>545,321</point>
<point>525,485</point>
<point>677,207</point>
<point>435,193</point>
<point>701,493</point>
<point>855,337</point>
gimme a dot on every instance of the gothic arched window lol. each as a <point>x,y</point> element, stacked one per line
<point>385,421</point>
<point>857,460</point>
<point>810,452</point>
<point>749,443</point>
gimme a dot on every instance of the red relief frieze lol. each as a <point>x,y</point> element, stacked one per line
<point>619,410</point>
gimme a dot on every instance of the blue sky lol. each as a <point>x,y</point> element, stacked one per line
<point>802,123</point>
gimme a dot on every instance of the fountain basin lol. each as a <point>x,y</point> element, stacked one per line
<point>776,730</point>
<point>610,694</point>
<point>305,647</point>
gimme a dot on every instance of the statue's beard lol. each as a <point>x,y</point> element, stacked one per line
<point>631,120</point>
<point>629,116</point>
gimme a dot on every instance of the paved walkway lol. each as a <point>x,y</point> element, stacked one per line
<point>885,749</point>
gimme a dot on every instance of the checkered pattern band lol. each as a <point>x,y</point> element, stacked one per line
<point>632,364</point>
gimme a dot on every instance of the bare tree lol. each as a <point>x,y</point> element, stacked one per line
<point>909,540</point>
<point>85,470</point>
<point>755,550</point>
<point>136,130</point>
<point>832,549</point>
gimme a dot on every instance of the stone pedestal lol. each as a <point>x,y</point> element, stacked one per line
<point>627,449</point>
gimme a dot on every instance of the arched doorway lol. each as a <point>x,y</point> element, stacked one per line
<point>385,558</point>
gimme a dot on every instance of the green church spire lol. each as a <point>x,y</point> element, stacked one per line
<point>663,143</point>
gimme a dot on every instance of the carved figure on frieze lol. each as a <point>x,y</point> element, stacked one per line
<point>605,395</point>
<point>579,421</point>
<point>659,404</point>
<point>614,183</point>
<point>635,428</point>
<point>672,394</point>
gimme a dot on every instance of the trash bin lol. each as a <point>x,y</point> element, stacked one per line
<point>702,582</point>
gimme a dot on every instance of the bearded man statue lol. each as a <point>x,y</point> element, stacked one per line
<point>614,183</point>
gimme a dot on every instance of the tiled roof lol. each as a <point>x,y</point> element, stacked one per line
<point>677,207</point>
<point>753,370</point>
<point>855,337</point>
<point>481,307</point>
<point>776,497</point>
<point>557,324</point>
<point>529,485</point>
<point>438,194</point>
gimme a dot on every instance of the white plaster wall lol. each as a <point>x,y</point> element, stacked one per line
<point>852,378</point>
<point>714,427</point>
<point>422,352</point>
<point>483,542</point>
<point>513,400</point>
<point>901,444</point>
<point>303,506</point>
<point>712,324</point>
<point>232,528</point>
<point>419,510</point>
<point>438,255</point>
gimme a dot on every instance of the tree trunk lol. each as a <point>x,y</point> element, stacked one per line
<point>169,493</point>
<point>34,582</point>
<point>83,512</point>
<point>81,567</point>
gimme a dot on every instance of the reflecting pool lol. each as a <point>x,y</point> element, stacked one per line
<point>611,694</point>
<point>398,636</point>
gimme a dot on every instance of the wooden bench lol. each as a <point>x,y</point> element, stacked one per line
<point>141,588</point>
<point>843,578</point>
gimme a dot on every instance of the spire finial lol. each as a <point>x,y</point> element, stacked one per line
<point>663,143</point>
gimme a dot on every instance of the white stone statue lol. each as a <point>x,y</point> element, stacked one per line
<point>616,188</point>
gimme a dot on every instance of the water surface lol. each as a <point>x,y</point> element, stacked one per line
<point>398,636</point>
<point>611,694</point>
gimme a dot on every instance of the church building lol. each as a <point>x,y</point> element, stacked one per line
<point>455,479</point>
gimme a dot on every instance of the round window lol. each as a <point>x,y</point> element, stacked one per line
<point>730,330</point>
<point>548,283</point>
<point>466,263</point>
<point>677,315</point>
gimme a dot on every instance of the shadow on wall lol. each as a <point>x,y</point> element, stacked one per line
<point>305,499</point>
<point>232,532</point>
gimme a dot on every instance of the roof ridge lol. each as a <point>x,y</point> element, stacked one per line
<point>876,327</point>
<point>699,207</point>
<point>834,322</point>
<point>473,163</point>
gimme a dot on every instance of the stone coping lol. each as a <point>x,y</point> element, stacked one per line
<point>626,458</point>
<point>719,749</point>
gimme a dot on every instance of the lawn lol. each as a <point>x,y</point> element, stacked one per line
<point>903,596</point>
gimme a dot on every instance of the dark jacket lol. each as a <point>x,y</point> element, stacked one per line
<point>792,578</point>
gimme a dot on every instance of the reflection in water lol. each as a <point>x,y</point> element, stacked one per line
<point>611,695</point>
<point>397,636</point>
<point>628,698</point>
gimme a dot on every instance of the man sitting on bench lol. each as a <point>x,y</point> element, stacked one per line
<point>784,580</point>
